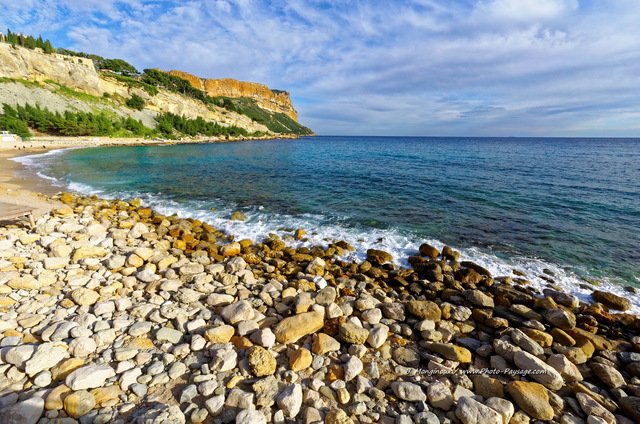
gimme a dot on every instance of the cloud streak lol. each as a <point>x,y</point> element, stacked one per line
<point>421,67</point>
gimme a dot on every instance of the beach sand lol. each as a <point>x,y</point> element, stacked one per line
<point>20,186</point>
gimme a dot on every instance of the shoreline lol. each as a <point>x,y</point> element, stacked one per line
<point>13,174</point>
<point>134,298</point>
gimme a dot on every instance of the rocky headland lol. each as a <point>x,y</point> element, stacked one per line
<point>112,313</point>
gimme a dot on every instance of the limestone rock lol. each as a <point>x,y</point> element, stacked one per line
<point>470,411</point>
<point>290,400</point>
<point>26,412</point>
<point>219,334</point>
<point>451,352</point>
<point>79,403</point>
<point>162,414</point>
<point>250,416</point>
<point>324,343</point>
<point>408,391</point>
<point>608,375</point>
<point>612,301</point>
<point>46,356</point>
<point>541,372</point>
<point>261,361</point>
<point>424,309</point>
<point>238,311</point>
<point>83,296</point>
<point>351,333</point>
<point>89,377</point>
<point>532,398</point>
<point>291,329</point>
<point>300,359</point>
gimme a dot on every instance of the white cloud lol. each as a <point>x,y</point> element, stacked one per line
<point>431,66</point>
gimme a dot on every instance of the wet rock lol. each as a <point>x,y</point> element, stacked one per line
<point>378,257</point>
<point>429,251</point>
<point>611,300</point>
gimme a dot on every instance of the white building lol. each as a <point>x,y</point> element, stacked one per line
<point>5,136</point>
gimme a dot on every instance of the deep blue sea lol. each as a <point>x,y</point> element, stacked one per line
<point>567,205</point>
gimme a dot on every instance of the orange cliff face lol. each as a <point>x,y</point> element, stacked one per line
<point>276,101</point>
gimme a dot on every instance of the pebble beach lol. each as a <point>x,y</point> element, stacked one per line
<point>113,313</point>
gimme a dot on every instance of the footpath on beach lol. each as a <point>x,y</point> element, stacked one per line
<point>112,313</point>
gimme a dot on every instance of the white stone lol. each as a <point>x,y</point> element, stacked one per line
<point>250,416</point>
<point>89,377</point>
<point>503,407</point>
<point>542,373</point>
<point>55,263</point>
<point>470,411</point>
<point>439,395</point>
<point>215,404</point>
<point>264,337</point>
<point>290,400</point>
<point>238,311</point>
<point>82,347</point>
<point>352,368</point>
<point>26,412</point>
<point>224,359</point>
<point>378,335</point>
<point>408,391</point>
<point>47,355</point>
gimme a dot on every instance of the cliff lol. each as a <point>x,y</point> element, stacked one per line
<point>31,65</point>
<point>272,100</point>
<point>94,91</point>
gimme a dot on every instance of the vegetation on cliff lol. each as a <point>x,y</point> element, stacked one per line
<point>27,41</point>
<point>117,87</point>
<point>19,119</point>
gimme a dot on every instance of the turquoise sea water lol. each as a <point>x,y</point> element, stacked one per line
<point>571,206</point>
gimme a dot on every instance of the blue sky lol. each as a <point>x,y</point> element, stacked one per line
<point>413,67</point>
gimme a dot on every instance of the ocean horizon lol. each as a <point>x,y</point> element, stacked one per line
<point>563,211</point>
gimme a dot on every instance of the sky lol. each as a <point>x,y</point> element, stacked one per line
<point>381,67</point>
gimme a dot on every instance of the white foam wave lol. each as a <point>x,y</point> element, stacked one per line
<point>398,244</point>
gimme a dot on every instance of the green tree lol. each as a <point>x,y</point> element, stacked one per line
<point>135,102</point>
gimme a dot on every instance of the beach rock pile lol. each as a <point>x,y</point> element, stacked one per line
<point>111,313</point>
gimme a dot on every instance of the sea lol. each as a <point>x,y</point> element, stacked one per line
<point>561,210</point>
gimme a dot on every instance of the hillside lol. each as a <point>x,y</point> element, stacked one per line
<point>62,83</point>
